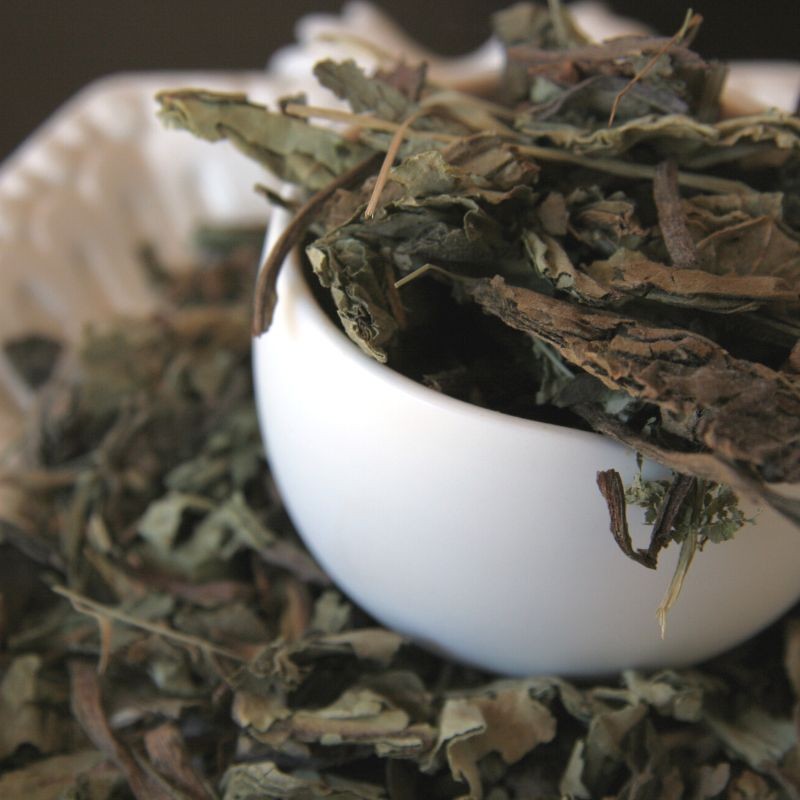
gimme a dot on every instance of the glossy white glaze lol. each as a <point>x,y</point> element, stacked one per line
<point>479,534</point>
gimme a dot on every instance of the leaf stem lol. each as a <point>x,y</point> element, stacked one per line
<point>265,292</point>
<point>612,166</point>
<point>85,605</point>
<point>692,20</point>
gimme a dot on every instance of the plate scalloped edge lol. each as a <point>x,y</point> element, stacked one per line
<point>82,195</point>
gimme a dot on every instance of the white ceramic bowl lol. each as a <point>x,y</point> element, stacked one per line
<point>481,535</point>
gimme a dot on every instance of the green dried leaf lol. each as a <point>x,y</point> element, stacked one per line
<point>289,147</point>
<point>360,292</point>
<point>713,513</point>
<point>27,716</point>
<point>694,143</point>
<point>348,82</point>
<point>191,535</point>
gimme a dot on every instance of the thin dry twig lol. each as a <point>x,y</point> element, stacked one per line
<point>688,549</point>
<point>671,218</point>
<point>106,628</point>
<point>391,153</point>
<point>84,605</point>
<point>629,169</point>
<point>361,121</point>
<point>265,293</point>
<point>612,166</point>
<point>40,480</point>
<point>668,513</point>
<point>87,706</point>
<point>692,20</point>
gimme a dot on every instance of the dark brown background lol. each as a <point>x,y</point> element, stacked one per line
<point>50,48</point>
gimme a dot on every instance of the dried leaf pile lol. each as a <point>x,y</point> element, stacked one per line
<point>594,243</point>
<point>165,634</point>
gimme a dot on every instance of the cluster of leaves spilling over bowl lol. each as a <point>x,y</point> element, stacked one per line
<point>594,243</point>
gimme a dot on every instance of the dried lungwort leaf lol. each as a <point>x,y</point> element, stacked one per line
<point>347,81</point>
<point>713,397</point>
<point>291,148</point>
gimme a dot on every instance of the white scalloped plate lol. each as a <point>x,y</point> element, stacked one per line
<point>82,195</point>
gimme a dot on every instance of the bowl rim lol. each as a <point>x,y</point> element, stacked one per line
<point>294,281</point>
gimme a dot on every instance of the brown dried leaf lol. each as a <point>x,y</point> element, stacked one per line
<point>53,778</point>
<point>505,719</point>
<point>712,780</point>
<point>168,754</point>
<point>792,656</point>
<point>750,786</point>
<point>671,219</point>
<point>686,375</point>
<point>291,663</point>
<point>755,246</point>
<point>88,710</point>
<point>669,512</point>
<point>25,715</point>
<point>611,487</point>
<point>632,274</point>
<point>359,716</point>
<point>296,612</point>
<point>257,711</point>
<point>408,79</point>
